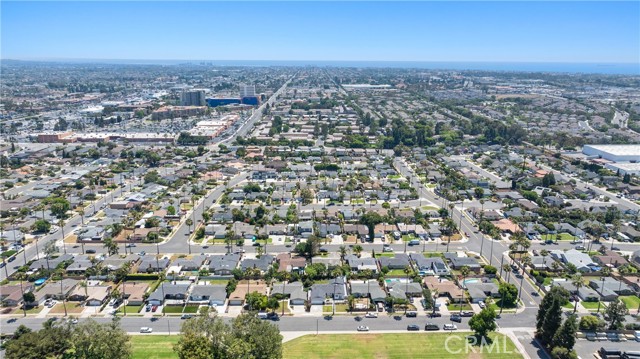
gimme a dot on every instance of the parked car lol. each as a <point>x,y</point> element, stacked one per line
<point>146,330</point>
<point>431,326</point>
<point>481,304</point>
<point>456,318</point>
<point>413,327</point>
<point>371,315</point>
<point>434,315</point>
<point>90,251</point>
<point>467,314</point>
<point>362,328</point>
<point>148,308</point>
<point>580,248</point>
<point>154,308</point>
<point>387,249</point>
<point>186,316</point>
<point>450,327</point>
<point>412,314</point>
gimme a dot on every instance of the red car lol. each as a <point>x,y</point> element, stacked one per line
<point>154,308</point>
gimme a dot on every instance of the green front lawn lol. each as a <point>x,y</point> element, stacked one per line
<point>393,346</point>
<point>386,254</point>
<point>497,304</point>
<point>564,237</point>
<point>153,346</point>
<point>339,308</point>
<point>408,237</point>
<point>432,254</point>
<point>592,305</point>
<point>631,301</point>
<point>172,309</point>
<point>456,307</point>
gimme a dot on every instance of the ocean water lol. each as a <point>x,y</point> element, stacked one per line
<point>556,67</point>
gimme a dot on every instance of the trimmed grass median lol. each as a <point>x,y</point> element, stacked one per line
<point>153,346</point>
<point>398,346</point>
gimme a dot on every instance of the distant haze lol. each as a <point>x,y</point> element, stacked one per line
<point>575,36</point>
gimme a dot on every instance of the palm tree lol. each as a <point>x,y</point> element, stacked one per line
<point>577,282</point>
<point>357,249</point>
<point>544,253</point>
<point>465,272</point>
<point>61,224</point>
<point>21,276</point>
<point>60,272</point>
<point>525,262</point>
<point>507,270</point>
<point>604,272</point>
<point>343,253</point>
<point>495,235</point>
<point>286,276</point>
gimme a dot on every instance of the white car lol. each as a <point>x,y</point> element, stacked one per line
<point>450,327</point>
<point>481,304</point>
<point>371,315</point>
<point>363,328</point>
<point>146,330</point>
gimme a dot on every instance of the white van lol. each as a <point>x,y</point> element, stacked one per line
<point>262,315</point>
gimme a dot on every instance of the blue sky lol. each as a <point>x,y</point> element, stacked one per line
<point>356,31</point>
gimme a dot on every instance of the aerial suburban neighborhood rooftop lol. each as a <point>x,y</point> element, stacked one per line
<point>330,193</point>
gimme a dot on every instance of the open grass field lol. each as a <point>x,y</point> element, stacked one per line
<point>153,346</point>
<point>391,346</point>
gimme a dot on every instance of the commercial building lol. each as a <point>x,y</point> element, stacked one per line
<point>247,90</point>
<point>167,112</point>
<point>215,102</point>
<point>54,137</point>
<point>616,153</point>
<point>192,98</point>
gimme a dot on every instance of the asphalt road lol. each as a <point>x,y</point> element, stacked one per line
<point>347,323</point>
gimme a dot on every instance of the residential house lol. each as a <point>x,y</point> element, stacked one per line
<point>359,264</point>
<point>611,258</point>
<point>459,262</point>
<point>245,287</point>
<point>368,289</point>
<point>580,260</point>
<point>92,296</point>
<point>290,263</point>
<point>168,293</point>
<point>294,291</point>
<point>151,264</point>
<point>336,289</point>
<point>212,295</point>
<point>11,295</point>
<point>399,261</point>
<point>134,292</point>
<point>56,290</point>
<point>263,263</point>
<point>223,264</point>
<point>480,291</point>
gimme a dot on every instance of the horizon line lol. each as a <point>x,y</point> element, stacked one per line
<point>62,59</point>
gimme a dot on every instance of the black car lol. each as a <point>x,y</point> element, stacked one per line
<point>431,326</point>
<point>90,251</point>
<point>413,327</point>
<point>456,318</point>
<point>434,315</point>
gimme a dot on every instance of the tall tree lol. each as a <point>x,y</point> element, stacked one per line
<point>106,341</point>
<point>615,313</point>
<point>551,321</point>
<point>565,337</point>
<point>483,322</point>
